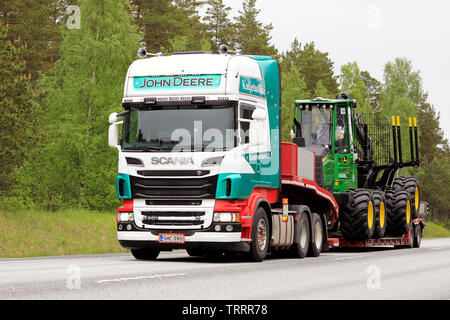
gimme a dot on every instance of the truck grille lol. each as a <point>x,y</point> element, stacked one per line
<point>174,188</point>
<point>172,218</point>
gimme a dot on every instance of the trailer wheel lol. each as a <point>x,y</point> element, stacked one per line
<point>357,218</point>
<point>316,242</point>
<point>417,235</point>
<point>398,211</point>
<point>380,214</point>
<point>300,248</point>
<point>411,185</point>
<point>411,240</point>
<point>145,254</point>
<point>260,236</point>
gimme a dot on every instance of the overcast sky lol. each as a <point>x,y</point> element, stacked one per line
<point>370,32</point>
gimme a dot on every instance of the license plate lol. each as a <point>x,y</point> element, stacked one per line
<point>171,238</point>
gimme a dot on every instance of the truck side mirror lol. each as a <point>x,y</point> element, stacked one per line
<point>113,135</point>
<point>113,131</point>
<point>257,133</point>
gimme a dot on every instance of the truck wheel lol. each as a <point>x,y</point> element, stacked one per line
<point>357,218</point>
<point>380,214</point>
<point>411,185</point>
<point>260,236</point>
<point>300,248</point>
<point>417,235</point>
<point>398,211</point>
<point>196,252</point>
<point>145,254</point>
<point>316,243</point>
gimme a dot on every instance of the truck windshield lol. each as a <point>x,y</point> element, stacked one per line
<point>316,126</point>
<point>180,129</point>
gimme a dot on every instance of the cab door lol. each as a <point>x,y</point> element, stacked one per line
<point>345,169</point>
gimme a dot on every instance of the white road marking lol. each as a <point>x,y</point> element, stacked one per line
<point>350,257</point>
<point>155,276</point>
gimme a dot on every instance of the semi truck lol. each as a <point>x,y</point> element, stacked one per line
<point>201,164</point>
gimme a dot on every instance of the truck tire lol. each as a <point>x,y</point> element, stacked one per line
<point>300,248</point>
<point>380,214</point>
<point>260,236</point>
<point>417,235</point>
<point>316,242</point>
<point>357,218</point>
<point>398,207</point>
<point>411,185</point>
<point>196,252</point>
<point>145,254</point>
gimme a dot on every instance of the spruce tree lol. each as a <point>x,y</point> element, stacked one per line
<point>218,25</point>
<point>17,109</point>
<point>252,36</point>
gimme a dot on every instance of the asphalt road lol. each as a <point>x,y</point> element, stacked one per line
<point>385,273</point>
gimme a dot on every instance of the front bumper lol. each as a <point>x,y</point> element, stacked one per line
<point>209,239</point>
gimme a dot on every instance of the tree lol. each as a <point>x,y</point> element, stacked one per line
<point>373,89</point>
<point>313,65</point>
<point>218,25</point>
<point>161,21</point>
<point>252,37</point>
<point>17,109</point>
<point>36,23</point>
<point>351,82</point>
<point>75,164</point>
<point>293,88</point>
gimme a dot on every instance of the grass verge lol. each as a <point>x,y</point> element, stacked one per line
<point>41,233</point>
<point>433,230</point>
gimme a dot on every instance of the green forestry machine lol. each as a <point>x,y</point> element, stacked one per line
<point>357,159</point>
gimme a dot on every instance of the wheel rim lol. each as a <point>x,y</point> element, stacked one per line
<point>408,212</point>
<point>382,215</point>
<point>262,234</point>
<point>370,215</point>
<point>303,236</point>
<point>318,234</point>
<point>416,198</point>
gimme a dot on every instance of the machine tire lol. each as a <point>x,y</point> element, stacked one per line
<point>411,185</point>
<point>196,252</point>
<point>417,235</point>
<point>411,241</point>
<point>260,236</point>
<point>357,218</point>
<point>380,214</point>
<point>145,254</point>
<point>398,206</point>
<point>317,232</point>
<point>300,249</point>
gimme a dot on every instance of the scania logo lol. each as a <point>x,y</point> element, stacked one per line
<point>172,160</point>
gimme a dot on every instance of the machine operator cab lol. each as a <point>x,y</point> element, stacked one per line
<point>325,127</point>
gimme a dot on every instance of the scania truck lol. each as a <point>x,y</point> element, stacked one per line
<point>202,166</point>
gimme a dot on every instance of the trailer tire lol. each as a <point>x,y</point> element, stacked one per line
<point>399,212</point>
<point>380,214</point>
<point>145,254</point>
<point>417,235</point>
<point>317,232</point>
<point>300,248</point>
<point>357,218</point>
<point>411,185</point>
<point>260,236</point>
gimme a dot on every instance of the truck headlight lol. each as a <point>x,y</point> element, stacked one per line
<point>226,217</point>
<point>126,216</point>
